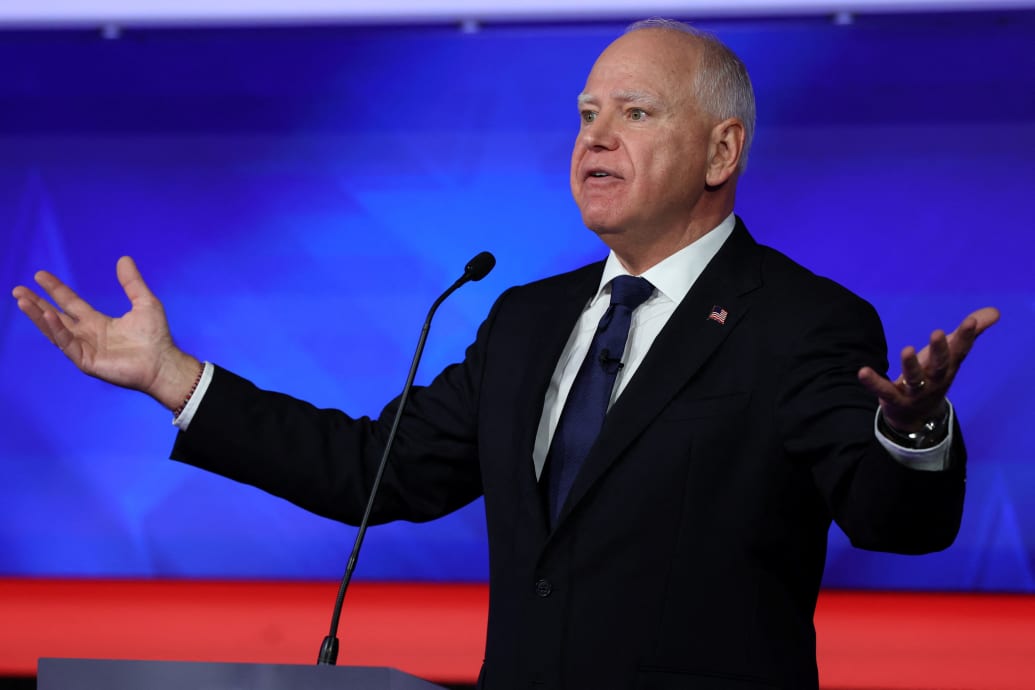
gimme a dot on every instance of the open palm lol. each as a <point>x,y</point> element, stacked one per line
<point>919,393</point>
<point>134,350</point>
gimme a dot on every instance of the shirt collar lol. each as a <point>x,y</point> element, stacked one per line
<point>673,276</point>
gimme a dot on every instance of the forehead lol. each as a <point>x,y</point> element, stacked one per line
<point>650,63</point>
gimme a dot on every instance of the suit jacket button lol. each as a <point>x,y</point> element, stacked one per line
<point>543,588</point>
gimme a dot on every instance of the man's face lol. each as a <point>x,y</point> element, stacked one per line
<point>638,166</point>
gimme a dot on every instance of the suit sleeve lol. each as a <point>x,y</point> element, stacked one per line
<point>826,418</point>
<point>325,461</point>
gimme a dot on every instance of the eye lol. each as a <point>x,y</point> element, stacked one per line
<point>637,114</point>
<point>588,116</point>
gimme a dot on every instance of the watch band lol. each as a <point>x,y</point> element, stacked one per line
<point>933,432</point>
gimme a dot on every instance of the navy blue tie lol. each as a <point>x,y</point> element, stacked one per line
<point>584,411</point>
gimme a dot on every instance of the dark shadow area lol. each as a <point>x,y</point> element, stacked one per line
<point>18,683</point>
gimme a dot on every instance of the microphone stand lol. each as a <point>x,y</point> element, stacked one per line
<point>476,269</point>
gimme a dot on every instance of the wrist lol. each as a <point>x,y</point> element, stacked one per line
<point>928,434</point>
<point>178,410</point>
<point>176,381</point>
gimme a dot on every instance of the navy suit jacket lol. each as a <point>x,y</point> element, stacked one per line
<point>690,550</point>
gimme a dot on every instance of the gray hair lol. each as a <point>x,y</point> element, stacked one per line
<point>722,85</point>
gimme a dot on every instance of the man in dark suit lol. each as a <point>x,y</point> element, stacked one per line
<point>679,541</point>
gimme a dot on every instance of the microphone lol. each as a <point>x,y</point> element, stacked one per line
<point>476,269</point>
<point>609,364</point>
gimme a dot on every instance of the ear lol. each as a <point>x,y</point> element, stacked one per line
<point>725,147</point>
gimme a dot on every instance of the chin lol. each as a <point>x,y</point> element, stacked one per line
<point>601,229</point>
<point>601,223</point>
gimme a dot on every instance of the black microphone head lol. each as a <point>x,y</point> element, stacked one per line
<point>479,267</point>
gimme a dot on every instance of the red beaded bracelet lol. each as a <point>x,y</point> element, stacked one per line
<point>179,410</point>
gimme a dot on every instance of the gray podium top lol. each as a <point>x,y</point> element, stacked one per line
<point>113,674</point>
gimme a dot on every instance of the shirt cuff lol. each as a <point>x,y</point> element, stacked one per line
<point>934,459</point>
<point>182,421</point>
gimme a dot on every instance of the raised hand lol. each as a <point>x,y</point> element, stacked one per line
<point>134,351</point>
<point>919,393</point>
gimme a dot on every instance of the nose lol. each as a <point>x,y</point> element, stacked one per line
<point>599,135</point>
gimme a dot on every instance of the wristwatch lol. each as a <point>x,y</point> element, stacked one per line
<point>930,434</point>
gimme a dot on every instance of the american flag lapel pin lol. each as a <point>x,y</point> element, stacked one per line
<point>718,314</point>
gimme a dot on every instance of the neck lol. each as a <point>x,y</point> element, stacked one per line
<point>639,252</point>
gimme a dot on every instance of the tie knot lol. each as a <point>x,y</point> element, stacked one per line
<point>630,292</point>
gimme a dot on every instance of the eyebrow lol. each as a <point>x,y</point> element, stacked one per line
<point>623,97</point>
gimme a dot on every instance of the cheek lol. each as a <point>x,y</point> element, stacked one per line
<point>572,178</point>
<point>679,169</point>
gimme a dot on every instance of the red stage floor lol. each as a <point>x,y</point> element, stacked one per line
<point>866,640</point>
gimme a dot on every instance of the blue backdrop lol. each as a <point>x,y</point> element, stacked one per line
<point>298,197</point>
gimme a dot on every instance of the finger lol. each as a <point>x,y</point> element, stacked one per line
<point>63,296</point>
<point>48,320</point>
<point>913,377</point>
<point>22,293</point>
<point>878,385</point>
<point>939,357</point>
<point>985,318</point>
<point>42,305</point>
<point>62,336</point>
<point>976,323</point>
<point>33,306</point>
<point>132,282</point>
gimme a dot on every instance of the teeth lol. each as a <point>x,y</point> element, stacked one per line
<point>599,174</point>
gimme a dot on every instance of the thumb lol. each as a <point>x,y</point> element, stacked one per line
<point>132,282</point>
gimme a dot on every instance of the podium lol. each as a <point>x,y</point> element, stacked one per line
<point>113,674</point>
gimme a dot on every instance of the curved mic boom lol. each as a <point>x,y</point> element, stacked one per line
<point>476,269</point>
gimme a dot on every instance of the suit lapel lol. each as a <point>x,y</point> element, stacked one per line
<point>684,346</point>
